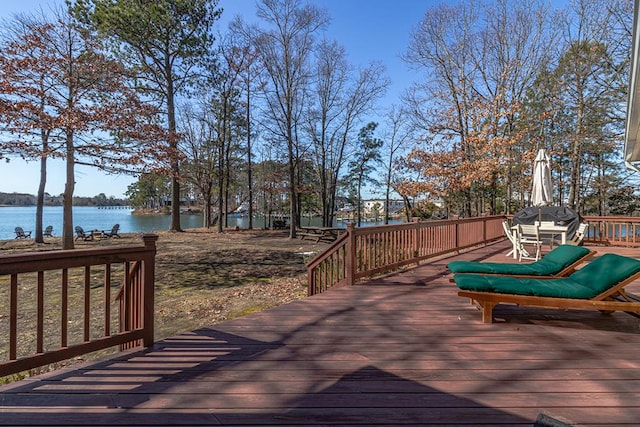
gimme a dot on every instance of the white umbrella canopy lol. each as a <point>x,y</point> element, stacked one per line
<point>541,194</point>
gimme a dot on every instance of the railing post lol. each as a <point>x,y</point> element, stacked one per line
<point>311,282</point>
<point>351,253</point>
<point>416,240</point>
<point>485,224</point>
<point>148,299</point>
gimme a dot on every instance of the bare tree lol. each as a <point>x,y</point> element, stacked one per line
<point>586,77</point>
<point>324,121</point>
<point>442,46</point>
<point>478,62</point>
<point>397,139</point>
<point>285,50</point>
<point>251,82</point>
<point>517,41</point>
<point>226,110</point>
<point>338,103</point>
<point>198,143</point>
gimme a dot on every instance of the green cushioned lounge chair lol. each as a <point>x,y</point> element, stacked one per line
<point>597,286</point>
<point>559,262</point>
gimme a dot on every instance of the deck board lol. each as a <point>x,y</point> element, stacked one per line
<point>402,350</point>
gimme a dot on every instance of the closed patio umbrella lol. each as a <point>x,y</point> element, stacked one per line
<point>541,194</point>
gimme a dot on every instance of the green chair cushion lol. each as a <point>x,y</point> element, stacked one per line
<point>550,264</point>
<point>586,283</point>
<point>605,272</point>
<point>558,288</point>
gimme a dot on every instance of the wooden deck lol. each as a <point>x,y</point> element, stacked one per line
<point>405,351</point>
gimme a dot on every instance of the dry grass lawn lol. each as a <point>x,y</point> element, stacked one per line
<point>203,277</point>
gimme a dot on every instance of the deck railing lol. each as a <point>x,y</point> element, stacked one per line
<point>57,305</point>
<point>613,230</point>
<point>363,252</point>
<point>366,251</point>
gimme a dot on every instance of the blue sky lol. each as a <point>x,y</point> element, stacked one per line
<point>368,29</point>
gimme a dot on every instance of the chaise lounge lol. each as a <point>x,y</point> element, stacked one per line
<point>597,286</point>
<point>560,262</point>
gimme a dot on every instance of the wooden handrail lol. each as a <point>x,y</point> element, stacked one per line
<point>50,280</point>
<point>613,230</point>
<point>363,252</point>
<point>129,302</point>
<point>366,251</point>
<point>332,261</point>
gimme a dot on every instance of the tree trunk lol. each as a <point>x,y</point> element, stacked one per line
<point>39,238</point>
<point>576,149</point>
<point>220,188</point>
<point>175,162</point>
<point>324,192</point>
<point>387,193</point>
<point>249,163</point>
<point>208,206</point>
<point>359,201</point>
<point>227,171</point>
<point>67,198</point>
<point>574,174</point>
<point>293,194</point>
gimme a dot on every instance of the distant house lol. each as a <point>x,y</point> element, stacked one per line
<point>372,207</point>
<point>347,207</point>
<point>183,202</point>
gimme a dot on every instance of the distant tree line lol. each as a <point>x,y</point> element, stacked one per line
<point>22,199</point>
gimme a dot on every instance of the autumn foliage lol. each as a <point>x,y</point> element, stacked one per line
<point>62,96</point>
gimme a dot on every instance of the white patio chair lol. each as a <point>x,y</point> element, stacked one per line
<point>578,237</point>
<point>529,235</point>
<point>546,224</point>
<point>514,243</point>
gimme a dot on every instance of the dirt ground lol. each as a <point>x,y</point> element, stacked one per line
<point>203,277</point>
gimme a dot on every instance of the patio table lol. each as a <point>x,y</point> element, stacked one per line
<point>320,233</point>
<point>543,229</point>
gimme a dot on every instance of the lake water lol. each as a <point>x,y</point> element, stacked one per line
<point>89,218</point>
<point>93,218</point>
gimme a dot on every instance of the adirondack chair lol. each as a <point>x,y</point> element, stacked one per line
<point>48,232</point>
<point>80,234</point>
<point>21,234</point>
<point>113,232</point>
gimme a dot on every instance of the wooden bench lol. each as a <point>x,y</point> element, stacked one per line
<point>314,236</point>
<point>279,224</point>
<point>326,234</point>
